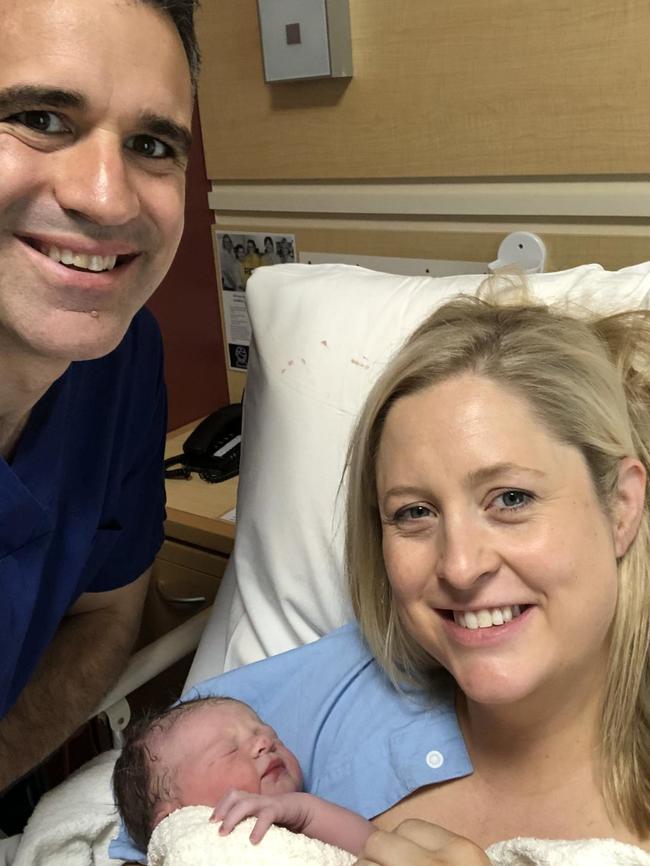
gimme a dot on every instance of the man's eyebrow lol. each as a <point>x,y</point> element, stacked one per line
<point>24,97</point>
<point>155,124</point>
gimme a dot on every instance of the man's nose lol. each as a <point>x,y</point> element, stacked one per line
<point>94,180</point>
<point>467,553</point>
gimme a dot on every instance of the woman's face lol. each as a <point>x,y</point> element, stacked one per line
<point>501,560</point>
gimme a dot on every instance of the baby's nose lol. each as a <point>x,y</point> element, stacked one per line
<point>264,743</point>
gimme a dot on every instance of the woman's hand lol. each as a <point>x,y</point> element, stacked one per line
<point>419,843</point>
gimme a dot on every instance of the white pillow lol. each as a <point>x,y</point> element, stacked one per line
<point>322,334</point>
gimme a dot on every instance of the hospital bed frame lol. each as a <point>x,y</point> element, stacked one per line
<point>146,664</point>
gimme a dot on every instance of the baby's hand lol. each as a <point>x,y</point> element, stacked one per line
<point>287,810</point>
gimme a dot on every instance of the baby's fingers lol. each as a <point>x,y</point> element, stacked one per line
<point>226,803</point>
<point>234,815</point>
<point>264,821</point>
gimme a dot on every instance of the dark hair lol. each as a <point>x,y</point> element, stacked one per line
<point>182,14</point>
<point>138,785</point>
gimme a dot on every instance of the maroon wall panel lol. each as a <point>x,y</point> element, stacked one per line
<point>187,308</point>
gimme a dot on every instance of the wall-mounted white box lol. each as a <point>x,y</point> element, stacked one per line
<point>305,39</point>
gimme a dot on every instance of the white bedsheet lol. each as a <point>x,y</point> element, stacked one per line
<point>73,824</point>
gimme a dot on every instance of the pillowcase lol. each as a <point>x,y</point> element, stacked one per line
<point>321,336</point>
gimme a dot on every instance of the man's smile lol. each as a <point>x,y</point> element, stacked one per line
<point>82,254</point>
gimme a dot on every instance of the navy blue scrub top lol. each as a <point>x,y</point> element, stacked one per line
<point>82,503</point>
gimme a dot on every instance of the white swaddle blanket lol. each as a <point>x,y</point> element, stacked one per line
<point>558,852</point>
<point>188,838</point>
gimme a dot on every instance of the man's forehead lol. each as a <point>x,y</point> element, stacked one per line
<point>127,48</point>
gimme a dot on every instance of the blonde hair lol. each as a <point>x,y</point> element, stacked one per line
<point>588,381</point>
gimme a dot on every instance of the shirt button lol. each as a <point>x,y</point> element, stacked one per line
<point>435,759</point>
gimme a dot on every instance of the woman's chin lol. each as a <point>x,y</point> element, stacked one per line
<point>491,688</point>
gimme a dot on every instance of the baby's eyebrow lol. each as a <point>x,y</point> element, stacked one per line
<point>21,97</point>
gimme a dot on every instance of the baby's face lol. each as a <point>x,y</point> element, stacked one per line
<point>215,747</point>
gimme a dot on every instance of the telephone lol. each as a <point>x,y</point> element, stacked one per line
<point>212,449</point>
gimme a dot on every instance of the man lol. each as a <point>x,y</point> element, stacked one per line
<point>95,109</point>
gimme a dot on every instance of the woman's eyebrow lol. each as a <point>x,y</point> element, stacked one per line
<point>155,124</point>
<point>488,473</point>
<point>20,97</point>
<point>474,478</point>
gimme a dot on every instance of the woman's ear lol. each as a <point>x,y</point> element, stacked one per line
<point>629,502</point>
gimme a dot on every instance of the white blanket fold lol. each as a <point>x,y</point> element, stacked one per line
<point>557,852</point>
<point>73,824</point>
<point>188,838</point>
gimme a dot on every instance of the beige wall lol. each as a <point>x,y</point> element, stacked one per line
<point>441,88</point>
<point>465,119</point>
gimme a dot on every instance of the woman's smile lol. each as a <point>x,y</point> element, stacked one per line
<point>471,628</point>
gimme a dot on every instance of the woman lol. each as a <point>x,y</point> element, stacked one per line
<point>251,260</point>
<point>230,268</point>
<point>498,527</point>
<point>269,256</point>
<point>497,546</point>
<point>240,273</point>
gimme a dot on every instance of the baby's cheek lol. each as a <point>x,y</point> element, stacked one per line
<point>295,771</point>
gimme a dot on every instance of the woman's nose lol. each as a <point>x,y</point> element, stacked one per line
<point>467,554</point>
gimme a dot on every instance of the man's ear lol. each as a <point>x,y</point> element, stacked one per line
<point>629,502</point>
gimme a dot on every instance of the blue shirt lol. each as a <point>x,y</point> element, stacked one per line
<point>82,502</point>
<point>361,743</point>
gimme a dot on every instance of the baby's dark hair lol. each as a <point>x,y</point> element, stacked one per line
<point>139,785</point>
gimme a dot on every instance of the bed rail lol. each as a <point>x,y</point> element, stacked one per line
<point>147,663</point>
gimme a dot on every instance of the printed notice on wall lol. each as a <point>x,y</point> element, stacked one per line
<point>239,255</point>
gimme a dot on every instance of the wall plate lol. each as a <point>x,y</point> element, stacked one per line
<point>304,39</point>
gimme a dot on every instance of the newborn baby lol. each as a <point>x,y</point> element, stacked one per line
<point>217,752</point>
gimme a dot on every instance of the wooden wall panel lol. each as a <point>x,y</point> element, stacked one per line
<point>451,88</point>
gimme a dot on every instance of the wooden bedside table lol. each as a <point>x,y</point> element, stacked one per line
<point>189,567</point>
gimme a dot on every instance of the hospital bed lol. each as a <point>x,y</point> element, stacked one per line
<point>322,334</point>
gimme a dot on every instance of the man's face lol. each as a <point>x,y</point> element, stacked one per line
<point>95,108</point>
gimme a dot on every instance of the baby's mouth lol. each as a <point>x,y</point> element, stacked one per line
<point>276,764</point>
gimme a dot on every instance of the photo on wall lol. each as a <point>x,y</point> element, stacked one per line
<point>239,255</point>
